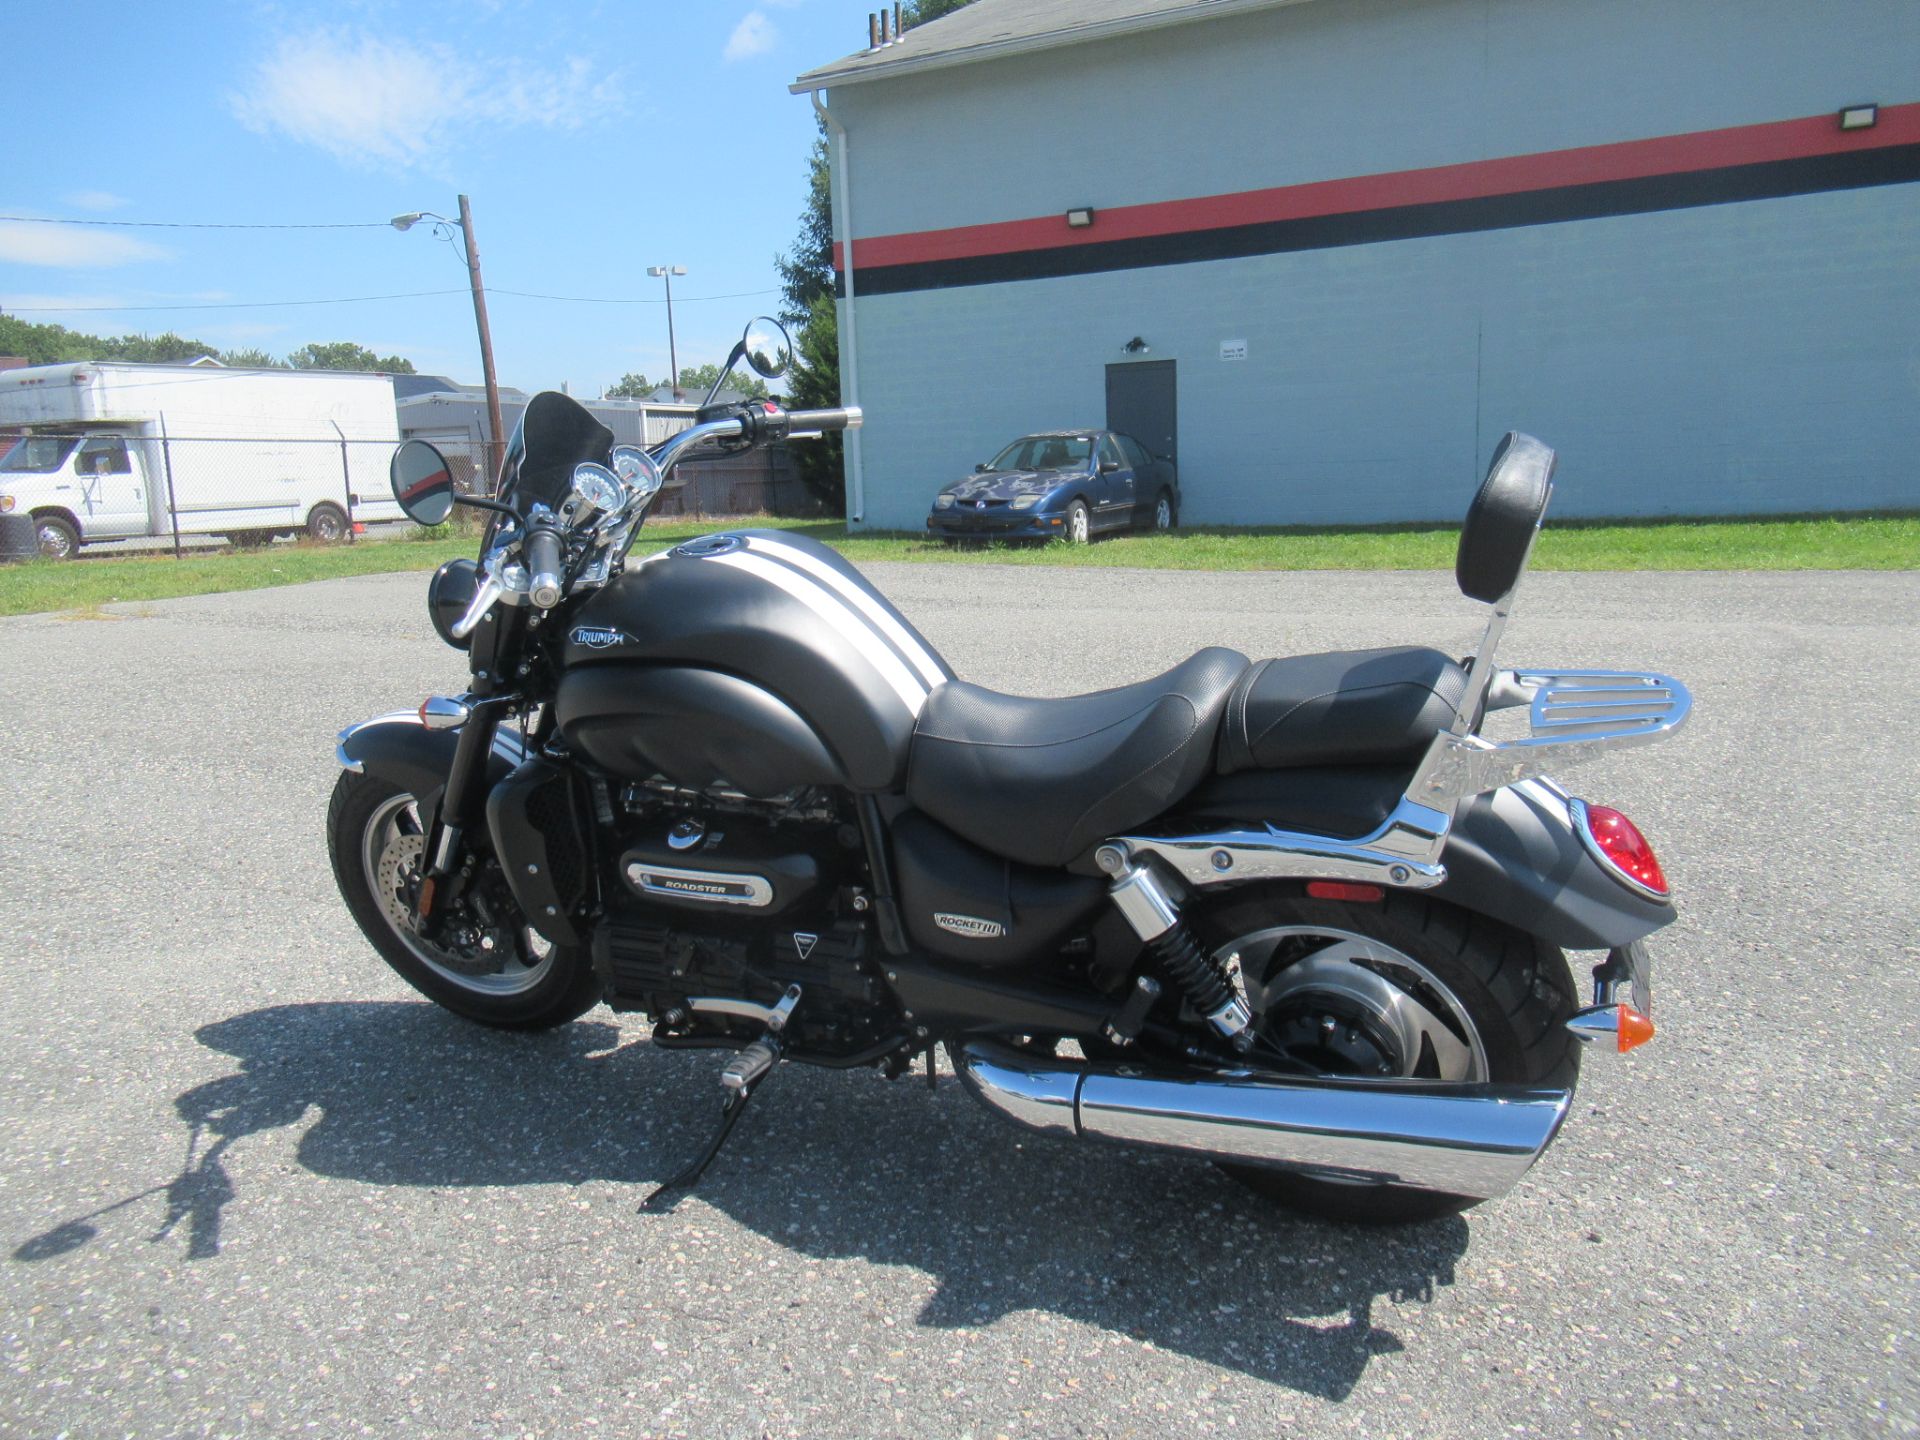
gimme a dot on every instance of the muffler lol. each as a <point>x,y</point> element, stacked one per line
<point>1472,1140</point>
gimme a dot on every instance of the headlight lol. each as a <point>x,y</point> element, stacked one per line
<point>943,502</point>
<point>6,504</point>
<point>1025,502</point>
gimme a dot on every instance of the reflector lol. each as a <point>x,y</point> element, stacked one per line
<point>1341,890</point>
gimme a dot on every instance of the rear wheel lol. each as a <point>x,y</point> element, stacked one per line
<point>327,524</point>
<point>486,963</point>
<point>1409,988</point>
<point>1163,516</point>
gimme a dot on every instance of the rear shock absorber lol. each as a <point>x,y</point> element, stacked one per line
<point>1154,917</point>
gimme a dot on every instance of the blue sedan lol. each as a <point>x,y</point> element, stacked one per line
<point>1072,484</point>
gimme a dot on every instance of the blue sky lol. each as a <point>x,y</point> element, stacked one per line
<point>594,140</point>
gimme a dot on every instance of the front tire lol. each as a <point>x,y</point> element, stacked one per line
<point>1079,524</point>
<point>1413,988</point>
<point>58,540</point>
<point>502,975</point>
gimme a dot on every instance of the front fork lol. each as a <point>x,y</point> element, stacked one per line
<point>461,806</point>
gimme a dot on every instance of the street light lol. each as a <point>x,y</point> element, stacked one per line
<point>666,273</point>
<point>443,228</point>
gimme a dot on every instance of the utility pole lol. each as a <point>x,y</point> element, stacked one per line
<point>496,448</point>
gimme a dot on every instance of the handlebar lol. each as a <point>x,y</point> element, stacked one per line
<point>845,418</point>
<point>543,560</point>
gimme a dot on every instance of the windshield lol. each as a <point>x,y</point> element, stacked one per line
<point>1044,452</point>
<point>38,454</point>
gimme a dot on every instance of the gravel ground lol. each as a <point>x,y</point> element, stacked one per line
<point>250,1185</point>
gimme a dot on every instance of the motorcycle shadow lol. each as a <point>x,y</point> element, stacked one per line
<point>829,1165</point>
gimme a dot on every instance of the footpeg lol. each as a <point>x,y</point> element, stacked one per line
<point>740,1077</point>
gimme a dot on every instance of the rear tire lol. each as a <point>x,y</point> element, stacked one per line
<point>327,524</point>
<point>1502,995</point>
<point>532,988</point>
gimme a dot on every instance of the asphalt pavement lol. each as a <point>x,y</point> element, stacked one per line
<point>251,1185</point>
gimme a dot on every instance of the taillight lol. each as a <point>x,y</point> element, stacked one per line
<point>1616,842</point>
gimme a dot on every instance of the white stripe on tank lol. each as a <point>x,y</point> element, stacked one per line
<point>888,625</point>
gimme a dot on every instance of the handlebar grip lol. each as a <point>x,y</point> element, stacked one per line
<point>543,560</point>
<point>848,418</point>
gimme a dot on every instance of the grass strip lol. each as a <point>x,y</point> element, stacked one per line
<point>1850,543</point>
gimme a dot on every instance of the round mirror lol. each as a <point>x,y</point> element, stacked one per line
<point>422,482</point>
<point>635,467</point>
<point>767,348</point>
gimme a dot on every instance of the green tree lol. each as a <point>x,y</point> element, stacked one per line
<point>345,355</point>
<point>814,384</point>
<point>251,359</point>
<point>696,380</point>
<point>57,345</point>
<point>919,12</point>
<point>631,385</point>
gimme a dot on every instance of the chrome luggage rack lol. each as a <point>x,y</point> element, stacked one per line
<point>1576,716</point>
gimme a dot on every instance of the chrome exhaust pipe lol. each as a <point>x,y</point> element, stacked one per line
<point>1472,1140</point>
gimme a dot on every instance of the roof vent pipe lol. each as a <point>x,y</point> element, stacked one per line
<point>896,21</point>
<point>873,31</point>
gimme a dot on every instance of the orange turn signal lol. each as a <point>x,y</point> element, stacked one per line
<point>1634,1029</point>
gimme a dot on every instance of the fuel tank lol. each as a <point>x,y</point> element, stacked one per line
<point>750,651</point>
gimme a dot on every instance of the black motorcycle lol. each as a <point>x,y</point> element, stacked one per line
<point>1300,917</point>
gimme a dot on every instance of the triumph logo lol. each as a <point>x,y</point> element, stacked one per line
<point>596,639</point>
<point>804,943</point>
<point>971,926</point>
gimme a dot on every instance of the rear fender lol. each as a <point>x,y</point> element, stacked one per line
<point>1513,854</point>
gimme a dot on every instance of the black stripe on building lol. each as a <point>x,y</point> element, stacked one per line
<point>1769,180</point>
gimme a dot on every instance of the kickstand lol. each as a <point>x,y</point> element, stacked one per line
<point>740,1078</point>
<point>736,1102</point>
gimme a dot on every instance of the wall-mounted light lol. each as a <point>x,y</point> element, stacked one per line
<point>1079,219</point>
<point>1135,346</point>
<point>1859,117</point>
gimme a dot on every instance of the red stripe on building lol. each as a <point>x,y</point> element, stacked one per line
<point>1806,138</point>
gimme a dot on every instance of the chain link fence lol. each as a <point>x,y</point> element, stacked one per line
<point>249,491</point>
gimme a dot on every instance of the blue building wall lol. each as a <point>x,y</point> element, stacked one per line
<point>1761,356</point>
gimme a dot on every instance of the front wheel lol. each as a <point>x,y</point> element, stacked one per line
<point>58,540</point>
<point>1079,523</point>
<point>486,963</point>
<point>1407,988</point>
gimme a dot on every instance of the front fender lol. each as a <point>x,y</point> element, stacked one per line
<point>1513,854</point>
<point>400,749</point>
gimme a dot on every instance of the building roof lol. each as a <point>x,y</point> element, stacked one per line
<point>991,29</point>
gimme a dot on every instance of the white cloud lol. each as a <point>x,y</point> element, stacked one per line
<point>68,247</point>
<point>97,200</point>
<point>368,100</point>
<point>752,36</point>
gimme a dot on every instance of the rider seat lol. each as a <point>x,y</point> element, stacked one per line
<point>1043,781</point>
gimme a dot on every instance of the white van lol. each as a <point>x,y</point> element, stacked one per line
<point>116,451</point>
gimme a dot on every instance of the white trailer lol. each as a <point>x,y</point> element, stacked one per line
<point>115,451</point>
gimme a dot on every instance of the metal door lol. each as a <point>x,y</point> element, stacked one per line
<point>1140,403</point>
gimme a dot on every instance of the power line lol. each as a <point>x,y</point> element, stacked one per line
<point>613,300</point>
<point>365,299</point>
<point>225,305</point>
<point>198,224</point>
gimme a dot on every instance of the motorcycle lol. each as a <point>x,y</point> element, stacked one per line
<point>1302,917</point>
